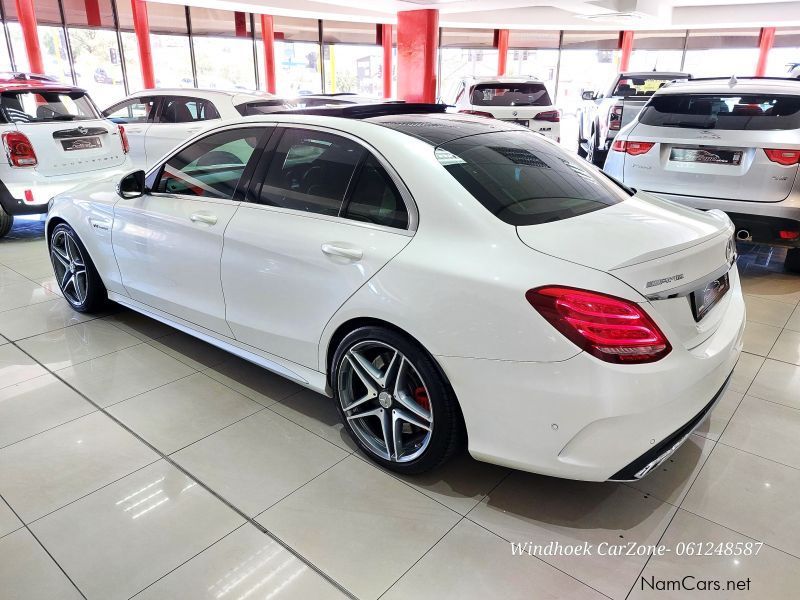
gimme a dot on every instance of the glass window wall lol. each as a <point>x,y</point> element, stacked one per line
<point>722,52</point>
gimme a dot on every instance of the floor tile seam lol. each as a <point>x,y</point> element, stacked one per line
<point>205,486</point>
<point>43,547</point>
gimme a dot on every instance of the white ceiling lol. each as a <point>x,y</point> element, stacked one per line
<point>538,14</point>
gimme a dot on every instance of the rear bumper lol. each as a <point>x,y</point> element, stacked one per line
<point>17,206</point>
<point>585,419</point>
<point>12,192</point>
<point>762,219</point>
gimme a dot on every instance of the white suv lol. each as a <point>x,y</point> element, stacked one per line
<point>722,143</point>
<point>158,120</point>
<point>520,100</point>
<point>53,137</point>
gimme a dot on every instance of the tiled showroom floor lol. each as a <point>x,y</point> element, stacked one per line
<point>136,461</point>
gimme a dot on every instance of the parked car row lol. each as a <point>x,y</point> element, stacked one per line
<point>54,137</point>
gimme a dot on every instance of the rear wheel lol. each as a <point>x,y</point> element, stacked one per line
<point>75,272</point>
<point>792,262</point>
<point>394,401</point>
<point>6,222</point>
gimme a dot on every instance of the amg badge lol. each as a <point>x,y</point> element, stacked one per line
<point>669,279</point>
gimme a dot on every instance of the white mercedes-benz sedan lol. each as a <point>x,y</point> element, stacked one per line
<point>449,280</point>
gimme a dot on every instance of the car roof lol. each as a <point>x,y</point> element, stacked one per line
<point>189,91</point>
<point>433,127</point>
<point>727,85</point>
<point>654,74</point>
<point>440,128</point>
<point>21,85</point>
<point>503,79</point>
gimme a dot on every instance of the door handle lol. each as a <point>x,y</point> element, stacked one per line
<point>334,250</point>
<point>204,218</point>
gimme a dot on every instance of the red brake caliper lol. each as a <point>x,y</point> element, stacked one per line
<point>421,397</point>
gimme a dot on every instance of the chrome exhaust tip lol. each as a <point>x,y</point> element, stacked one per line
<point>743,235</point>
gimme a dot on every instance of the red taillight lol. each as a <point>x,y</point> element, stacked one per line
<point>19,150</point>
<point>477,113</point>
<point>787,234</point>
<point>123,138</point>
<point>786,158</point>
<point>548,115</point>
<point>612,329</point>
<point>632,148</point>
<point>615,118</point>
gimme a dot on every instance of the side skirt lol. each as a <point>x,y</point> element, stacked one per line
<point>301,375</point>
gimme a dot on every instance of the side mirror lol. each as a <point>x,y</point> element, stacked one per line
<point>588,95</point>
<point>131,186</point>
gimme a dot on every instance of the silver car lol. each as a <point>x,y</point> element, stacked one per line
<point>721,143</point>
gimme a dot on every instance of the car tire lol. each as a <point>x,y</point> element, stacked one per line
<point>75,273</point>
<point>595,156</point>
<point>6,223</point>
<point>399,390</point>
<point>792,261</point>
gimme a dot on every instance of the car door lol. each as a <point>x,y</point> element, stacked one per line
<point>136,115</point>
<point>178,119</point>
<point>168,242</point>
<point>322,216</point>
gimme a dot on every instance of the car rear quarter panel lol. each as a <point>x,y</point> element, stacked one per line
<point>459,286</point>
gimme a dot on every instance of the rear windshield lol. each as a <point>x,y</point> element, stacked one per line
<point>41,106</point>
<point>524,180</point>
<point>723,111</point>
<point>638,87</point>
<point>510,94</point>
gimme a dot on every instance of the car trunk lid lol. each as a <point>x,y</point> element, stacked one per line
<point>712,164</point>
<point>66,147</point>
<point>663,251</point>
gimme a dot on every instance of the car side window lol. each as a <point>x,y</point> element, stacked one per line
<point>180,109</point>
<point>136,110</point>
<point>375,198</point>
<point>310,171</point>
<point>210,167</point>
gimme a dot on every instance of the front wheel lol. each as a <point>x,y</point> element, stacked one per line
<point>6,222</point>
<point>75,272</point>
<point>394,401</point>
<point>792,261</point>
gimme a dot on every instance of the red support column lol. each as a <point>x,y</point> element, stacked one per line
<point>626,45</point>
<point>501,43</point>
<point>268,33</point>
<point>92,12</point>
<point>240,24</point>
<point>141,26</point>
<point>386,42</point>
<point>26,14</point>
<point>417,44</point>
<point>765,41</point>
